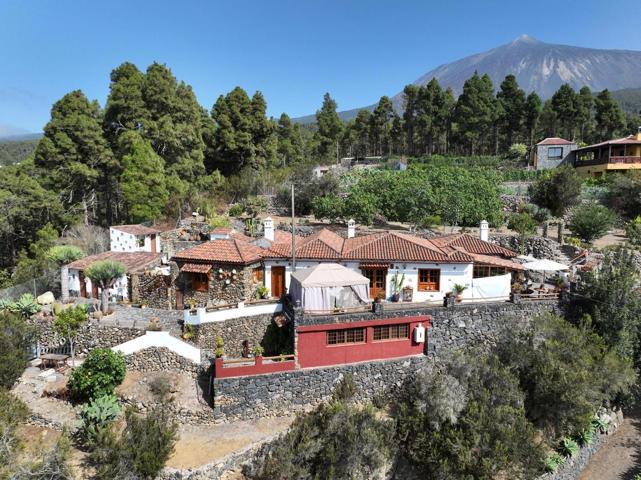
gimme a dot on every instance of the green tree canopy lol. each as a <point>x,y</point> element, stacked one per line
<point>105,273</point>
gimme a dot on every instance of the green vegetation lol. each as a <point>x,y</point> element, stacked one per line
<point>16,337</point>
<point>97,416</point>
<point>558,192</point>
<point>101,372</point>
<point>67,325</point>
<point>591,221</point>
<point>15,151</point>
<point>140,450</point>
<point>25,306</point>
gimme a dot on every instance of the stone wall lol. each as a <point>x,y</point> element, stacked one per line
<point>161,359</point>
<point>92,335</point>
<point>240,289</point>
<point>234,332</point>
<point>539,247</point>
<point>279,394</point>
<point>155,290</point>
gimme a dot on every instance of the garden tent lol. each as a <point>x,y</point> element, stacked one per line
<point>329,286</point>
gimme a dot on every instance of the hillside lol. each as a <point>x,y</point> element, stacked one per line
<point>16,150</point>
<point>538,66</point>
<point>629,99</point>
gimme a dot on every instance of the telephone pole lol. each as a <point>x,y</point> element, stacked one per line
<point>293,233</point>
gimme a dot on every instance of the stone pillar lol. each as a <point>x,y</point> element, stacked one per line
<point>560,232</point>
<point>134,285</point>
<point>64,283</point>
<point>546,225</point>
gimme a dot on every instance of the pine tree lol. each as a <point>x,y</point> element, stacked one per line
<point>511,101</point>
<point>76,156</point>
<point>610,119</point>
<point>564,103</point>
<point>263,133</point>
<point>584,107</point>
<point>533,109</point>
<point>143,179</point>
<point>291,150</point>
<point>475,113</point>
<point>381,124</point>
<point>329,130</point>
<point>410,104</point>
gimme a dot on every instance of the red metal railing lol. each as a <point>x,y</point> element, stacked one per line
<point>627,159</point>
<point>241,367</point>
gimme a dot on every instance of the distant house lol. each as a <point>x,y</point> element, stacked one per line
<point>134,238</point>
<point>614,155</point>
<point>552,152</point>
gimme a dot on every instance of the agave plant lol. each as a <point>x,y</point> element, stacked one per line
<point>25,306</point>
<point>553,462</point>
<point>569,447</point>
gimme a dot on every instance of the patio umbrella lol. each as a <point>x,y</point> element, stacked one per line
<point>545,265</point>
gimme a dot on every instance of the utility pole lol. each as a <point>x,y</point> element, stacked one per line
<point>293,234</point>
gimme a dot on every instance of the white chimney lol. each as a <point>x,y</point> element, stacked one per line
<point>484,231</point>
<point>351,228</point>
<point>268,225</point>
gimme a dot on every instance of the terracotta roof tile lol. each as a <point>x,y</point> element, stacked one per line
<point>555,141</point>
<point>133,261</point>
<point>496,261</point>
<point>629,140</point>
<point>196,268</point>
<point>230,250</point>
<point>136,229</point>
<point>471,244</point>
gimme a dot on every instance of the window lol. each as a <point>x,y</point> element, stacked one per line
<point>555,153</point>
<point>258,274</point>
<point>391,332</point>
<point>199,282</point>
<point>481,271</point>
<point>350,335</point>
<point>429,280</point>
<point>141,242</point>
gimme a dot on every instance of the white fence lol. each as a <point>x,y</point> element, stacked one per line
<point>201,315</point>
<point>159,339</point>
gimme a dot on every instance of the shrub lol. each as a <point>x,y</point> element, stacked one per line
<point>328,207</point>
<point>26,306</point>
<point>67,324</point>
<point>53,465</point>
<point>585,436</point>
<point>16,337</point>
<point>12,413</point>
<point>338,441</point>
<point>559,191</point>
<point>219,351</point>
<point>160,386</point>
<point>633,231</point>
<point>235,210</point>
<point>568,447</point>
<point>522,223</point>
<point>589,222</point>
<point>141,450</point>
<point>553,462</point>
<point>188,332</point>
<point>346,388</point>
<point>517,151</point>
<point>101,372</point>
<point>64,254</point>
<point>98,415</point>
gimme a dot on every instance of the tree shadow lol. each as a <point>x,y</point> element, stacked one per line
<point>633,441</point>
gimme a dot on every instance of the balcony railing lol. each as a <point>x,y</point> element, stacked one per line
<point>616,160</point>
<point>627,159</point>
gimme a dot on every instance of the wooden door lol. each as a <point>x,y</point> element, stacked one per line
<point>83,285</point>
<point>180,303</point>
<point>94,290</point>
<point>153,243</point>
<point>377,280</point>
<point>278,281</point>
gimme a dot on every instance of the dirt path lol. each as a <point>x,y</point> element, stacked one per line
<point>620,457</point>
<point>200,445</point>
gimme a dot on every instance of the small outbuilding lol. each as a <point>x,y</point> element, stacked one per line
<point>329,286</point>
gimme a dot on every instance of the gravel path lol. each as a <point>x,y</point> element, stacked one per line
<point>620,456</point>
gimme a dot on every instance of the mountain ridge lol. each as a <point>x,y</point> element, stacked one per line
<point>538,66</point>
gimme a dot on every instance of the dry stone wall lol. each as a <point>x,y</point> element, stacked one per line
<point>234,332</point>
<point>161,359</point>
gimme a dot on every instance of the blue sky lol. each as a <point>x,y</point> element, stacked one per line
<point>291,50</point>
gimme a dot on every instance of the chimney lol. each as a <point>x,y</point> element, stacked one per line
<point>268,225</point>
<point>351,228</point>
<point>484,231</point>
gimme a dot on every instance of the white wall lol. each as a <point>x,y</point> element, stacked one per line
<point>450,275</point>
<point>159,339</point>
<point>202,316</point>
<point>125,242</point>
<point>118,290</point>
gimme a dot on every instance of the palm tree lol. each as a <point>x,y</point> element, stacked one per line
<point>105,273</point>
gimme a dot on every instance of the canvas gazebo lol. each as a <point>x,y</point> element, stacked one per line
<point>328,287</point>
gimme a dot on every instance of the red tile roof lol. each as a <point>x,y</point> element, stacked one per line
<point>629,140</point>
<point>496,262</point>
<point>230,250</point>
<point>230,232</point>
<point>136,229</point>
<point>555,141</point>
<point>472,244</point>
<point>196,267</point>
<point>133,261</point>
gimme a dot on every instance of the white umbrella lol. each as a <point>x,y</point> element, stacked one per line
<point>545,265</point>
<point>527,258</point>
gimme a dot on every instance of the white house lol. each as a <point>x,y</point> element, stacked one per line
<point>134,238</point>
<point>430,267</point>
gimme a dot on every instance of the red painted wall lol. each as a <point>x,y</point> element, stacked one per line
<point>313,350</point>
<point>258,368</point>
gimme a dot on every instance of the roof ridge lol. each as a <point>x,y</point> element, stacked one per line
<point>423,242</point>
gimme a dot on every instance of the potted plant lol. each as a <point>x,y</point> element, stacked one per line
<point>258,351</point>
<point>458,290</point>
<point>220,343</point>
<point>262,291</point>
<point>397,285</point>
<point>191,304</point>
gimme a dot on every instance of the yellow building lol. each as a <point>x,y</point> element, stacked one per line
<point>612,156</point>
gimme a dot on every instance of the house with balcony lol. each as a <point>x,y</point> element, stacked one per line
<point>617,155</point>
